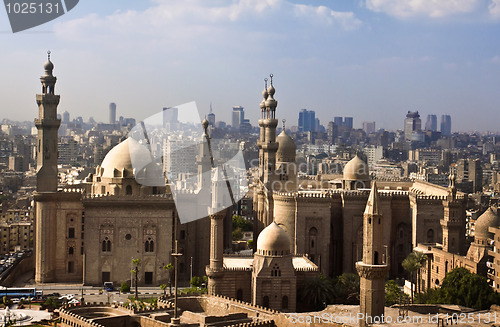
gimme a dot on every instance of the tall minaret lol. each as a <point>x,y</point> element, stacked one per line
<point>262,138</point>
<point>47,125</point>
<point>373,269</point>
<point>269,146</point>
<point>453,222</point>
<point>205,164</point>
<point>215,271</point>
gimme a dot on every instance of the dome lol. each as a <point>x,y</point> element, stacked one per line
<point>286,148</point>
<point>119,158</point>
<point>273,240</point>
<point>48,66</point>
<point>488,219</point>
<point>356,169</point>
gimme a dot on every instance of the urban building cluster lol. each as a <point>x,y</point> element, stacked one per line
<point>322,200</point>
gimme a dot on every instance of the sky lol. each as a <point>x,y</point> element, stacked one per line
<point>370,59</point>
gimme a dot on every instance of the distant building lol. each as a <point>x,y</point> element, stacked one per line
<point>338,121</point>
<point>348,122</point>
<point>112,113</point>
<point>412,124</point>
<point>238,117</point>
<point>431,123</point>
<point>307,120</point>
<point>445,125</point>
<point>170,118</point>
<point>65,117</point>
<point>369,127</point>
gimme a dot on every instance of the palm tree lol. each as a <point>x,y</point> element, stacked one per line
<point>170,269</point>
<point>421,259</point>
<point>136,263</point>
<point>410,264</point>
<point>318,291</point>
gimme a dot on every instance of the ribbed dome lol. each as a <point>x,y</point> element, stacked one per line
<point>356,169</point>
<point>273,240</point>
<point>119,158</point>
<point>286,148</point>
<point>488,219</point>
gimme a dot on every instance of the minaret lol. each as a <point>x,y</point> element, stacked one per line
<point>205,161</point>
<point>269,146</point>
<point>215,271</point>
<point>373,269</point>
<point>262,138</point>
<point>453,222</point>
<point>47,125</point>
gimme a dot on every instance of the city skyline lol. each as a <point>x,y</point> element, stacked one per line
<point>371,60</point>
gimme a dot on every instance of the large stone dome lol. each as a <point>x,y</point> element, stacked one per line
<point>286,148</point>
<point>273,241</point>
<point>356,170</point>
<point>119,159</point>
<point>488,219</point>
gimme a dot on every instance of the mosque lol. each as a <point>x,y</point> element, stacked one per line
<point>303,225</point>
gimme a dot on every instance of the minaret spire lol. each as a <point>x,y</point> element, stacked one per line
<point>47,124</point>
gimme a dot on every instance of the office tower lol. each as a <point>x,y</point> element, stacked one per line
<point>112,113</point>
<point>348,122</point>
<point>211,117</point>
<point>332,132</point>
<point>238,117</point>
<point>338,121</point>
<point>431,123</point>
<point>307,120</point>
<point>445,125</point>
<point>412,124</point>
<point>170,118</point>
<point>65,117</point>
<point>369,127</point>
<point>476,175</point>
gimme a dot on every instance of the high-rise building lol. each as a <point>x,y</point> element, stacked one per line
<point>369,127</point>
<point>65,117</point>
<point>112,113</point>
<point>211,117</point>
<point>238,117</point>
<point>170,118</point>
<point>307,121</point>
<point>348,122</point>
<point>338,121</point>
<point>412,124</point>
<point>431,123</point>
<point>445,125</point>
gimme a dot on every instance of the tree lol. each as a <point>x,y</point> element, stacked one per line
<point>124,288</point>
<point>237,234</point>
<point>393,293</point>
<point>135,271</point>
<point>318,291</point>
<point>170,270</point>
<point>410,264</point>
<point>195,281</point>
<point>420,259</point>
<point>163,287</point>
<point>346,288</point>
<point>242,223</point>
<point>462,287</point>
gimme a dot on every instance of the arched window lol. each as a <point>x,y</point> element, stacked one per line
<point>446,267</point>
<point>375,257</point>
<point>106,245</point>
<point>71,250</point>
<point>265,301</point>
<point>284,303</point>
<point>149,245</point>
<point>128,190</point>
<point>430,236</point>
<point>276,272</point>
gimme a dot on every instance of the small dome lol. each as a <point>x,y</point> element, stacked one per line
<point>273,240</point>
<point>119,157</point>
<point>286,148</point>
<point>48,66</point>
<point>488,219</point>
<point>356,170</point>
<point>205,124</point>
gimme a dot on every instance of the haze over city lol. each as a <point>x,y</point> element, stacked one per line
<point>373,60</point>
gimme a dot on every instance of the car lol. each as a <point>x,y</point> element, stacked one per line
<point>74,301</point>
<point>67,297</point>
<point>15,300</point>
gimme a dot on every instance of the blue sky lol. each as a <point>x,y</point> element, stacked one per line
<point>370,59</point>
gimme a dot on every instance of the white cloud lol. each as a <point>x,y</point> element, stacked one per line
<point>426,8</point>
<point>494,8</point>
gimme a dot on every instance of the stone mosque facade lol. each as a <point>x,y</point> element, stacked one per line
<point>91,232</point>
<point>324,216</point>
